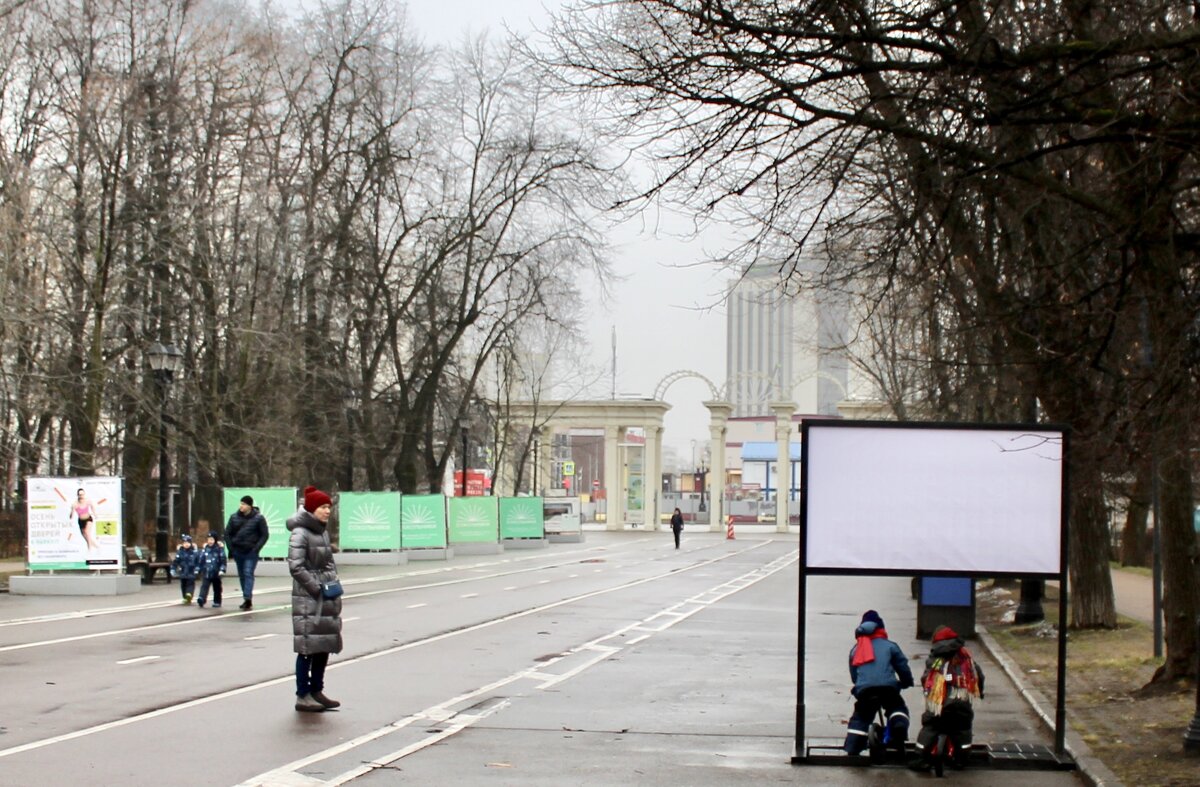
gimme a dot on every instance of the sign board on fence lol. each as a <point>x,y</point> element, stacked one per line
<point>521,517</point>
<point>473,520</point>
<point>422,521</point>
<point>73,523</point>
<point>276,504</point>
<point>369,520</point>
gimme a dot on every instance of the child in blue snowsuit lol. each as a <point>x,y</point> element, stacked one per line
<point>212,566</point>
<point>879,671</point>
<point>185,567</point>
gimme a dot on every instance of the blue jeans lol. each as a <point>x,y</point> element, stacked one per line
<point>245,562</point>
<point>310,672</point>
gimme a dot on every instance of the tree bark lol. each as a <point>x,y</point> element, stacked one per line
<point>1135,546</point>
<point>1092,604</point>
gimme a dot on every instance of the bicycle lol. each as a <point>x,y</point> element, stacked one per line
<point>942,752</point>
<point>879,740</point>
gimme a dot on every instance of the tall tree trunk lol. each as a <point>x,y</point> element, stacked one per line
<point>1135,547</point>
<point>1092,604</point>
<point>1181,571</point>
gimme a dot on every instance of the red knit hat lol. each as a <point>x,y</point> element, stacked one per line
<point>314,498</point>
<point>943,633</point>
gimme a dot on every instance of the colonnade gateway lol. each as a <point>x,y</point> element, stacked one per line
<point>616,417</point>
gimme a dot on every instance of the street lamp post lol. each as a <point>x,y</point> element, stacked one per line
<point>350,399</point>
<point>464,462</point>
<point>703,486</point>
<point>537,438</point>
<point>164,360</point>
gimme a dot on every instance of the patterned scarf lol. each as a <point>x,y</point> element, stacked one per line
<point>950,678</point>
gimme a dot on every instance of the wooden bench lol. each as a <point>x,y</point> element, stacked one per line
<point>138,562</point>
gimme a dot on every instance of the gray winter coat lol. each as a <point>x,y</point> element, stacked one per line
<point>316,621</point>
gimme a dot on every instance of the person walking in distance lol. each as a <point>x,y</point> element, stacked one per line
<point>677,525</point>
<point>316,612</point>
<point>246,533</point>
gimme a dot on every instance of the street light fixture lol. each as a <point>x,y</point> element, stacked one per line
<point>703,486</point>
<point>165,360</point>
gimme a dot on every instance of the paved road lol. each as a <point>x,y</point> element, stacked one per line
<point>613,662</point>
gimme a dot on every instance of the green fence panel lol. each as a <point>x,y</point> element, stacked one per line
<point>521,517</point>
<point>369,520</point>
<point>473,520</point>
<point>422,521</point>
<point>277,505</point>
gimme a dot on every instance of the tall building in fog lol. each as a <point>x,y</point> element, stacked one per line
<point>789,346</point>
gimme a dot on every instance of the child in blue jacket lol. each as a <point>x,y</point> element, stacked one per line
<point>879,671</point>
<point>212,566</point>
<point>185,567</point>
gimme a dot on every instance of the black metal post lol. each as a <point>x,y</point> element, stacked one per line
<point>1029,610</point>
<point>162,534</point>
<point>464,462</point>
<point>1191,738</point>
<point>703,487</point>
<point>536,440</point>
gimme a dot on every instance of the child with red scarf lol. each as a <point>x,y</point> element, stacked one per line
<point>879,671</point>
<point>952,681</point>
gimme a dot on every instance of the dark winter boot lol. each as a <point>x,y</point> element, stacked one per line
<point>247,605</point>
<point>307,704</point>
<point>320,697</point>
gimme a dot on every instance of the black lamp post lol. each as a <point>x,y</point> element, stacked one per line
<point>350,400</point>
<point>165,360</point>
<point>703,487</point>
<point>464,462</point>
<point>537,438</point>
<point>1191,738</point>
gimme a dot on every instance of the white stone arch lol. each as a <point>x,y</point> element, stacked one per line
<point>682,374</point>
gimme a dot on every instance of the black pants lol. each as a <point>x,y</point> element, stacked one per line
<point>866,705</point>
<point>310,672</point>
<point>216,586</point>
<point>677,531</point>
<point>955,721</point>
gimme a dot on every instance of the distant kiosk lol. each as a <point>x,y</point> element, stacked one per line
<point>562,519</point>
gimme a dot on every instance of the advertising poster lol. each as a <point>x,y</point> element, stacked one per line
<point>276,504</point>
<point>473,520</point>
<point>521,517</point>
<point>634,481</point>
<point>74,523</point>
<point>369,520</point>
<point>422,521</point>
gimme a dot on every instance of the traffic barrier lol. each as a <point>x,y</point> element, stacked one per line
<point>729,528</point>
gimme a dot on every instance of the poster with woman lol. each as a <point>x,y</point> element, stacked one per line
<point>73,523</point>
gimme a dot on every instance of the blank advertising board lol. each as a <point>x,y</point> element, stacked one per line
<point>928,498</point>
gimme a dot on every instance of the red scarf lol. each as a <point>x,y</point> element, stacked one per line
<point>864,651</point>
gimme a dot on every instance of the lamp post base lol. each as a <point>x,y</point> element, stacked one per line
<point>161,546</point>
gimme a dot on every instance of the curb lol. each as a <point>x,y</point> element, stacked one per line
<point>1095,772</point>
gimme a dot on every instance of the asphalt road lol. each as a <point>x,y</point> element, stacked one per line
<point>617,661</point>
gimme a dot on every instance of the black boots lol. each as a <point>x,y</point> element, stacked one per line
<point>247,605</point>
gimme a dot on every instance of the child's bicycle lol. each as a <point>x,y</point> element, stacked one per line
<point>879,740</point>
<point>941,752</point>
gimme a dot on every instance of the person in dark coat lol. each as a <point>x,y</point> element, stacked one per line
<point>212,566</point>
<point>316,620</point>
<point>246,533</point>
<point>879,670</point>
<point>185,567</point>
<point>677,525</point>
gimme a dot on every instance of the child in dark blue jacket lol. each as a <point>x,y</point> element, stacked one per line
<point>879,671</point>
<point>185,567</point>
<point>212,566</point>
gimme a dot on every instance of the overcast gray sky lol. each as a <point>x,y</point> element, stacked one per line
<point>663,304</point>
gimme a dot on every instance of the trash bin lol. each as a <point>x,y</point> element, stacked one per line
<point>946,601</point>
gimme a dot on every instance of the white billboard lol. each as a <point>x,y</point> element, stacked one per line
<point>74,523</point>
<point>976,501</point>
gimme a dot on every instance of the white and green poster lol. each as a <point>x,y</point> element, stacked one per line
<point>473,520</point>
<point>73,523</point>
<point>634,480</point>
<point>277,505</point>
<point>422,521</point>
<point>521,517</point>
<point>369,520</point>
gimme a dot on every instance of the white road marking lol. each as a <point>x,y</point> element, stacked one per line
<point>259,636</point>
<point>414,606</point>
<point>287,679</point>
<point>139,659</point>
<point>349,620</point>
<point>468,595</point>
<point>511,587</point>
<point>543,581</point>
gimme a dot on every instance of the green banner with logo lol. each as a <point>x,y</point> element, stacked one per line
<point>422,521</point>
<point>276,504</point>
<point>521,517</point>
<point>473,520</point>
<point>369,520</point>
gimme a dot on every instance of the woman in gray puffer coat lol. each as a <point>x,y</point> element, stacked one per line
<point>316,620</point>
